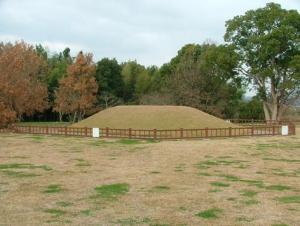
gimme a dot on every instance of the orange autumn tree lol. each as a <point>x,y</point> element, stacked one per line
<point>77,91</point>
<point>22,90</point>
<point>7,116</point>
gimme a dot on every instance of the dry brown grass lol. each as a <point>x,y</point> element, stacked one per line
<point>170,182</point>
<point>153,117</point>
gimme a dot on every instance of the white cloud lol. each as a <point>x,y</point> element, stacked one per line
<point>150,31</point>
<point>53,47</point>
<point>60,46</point>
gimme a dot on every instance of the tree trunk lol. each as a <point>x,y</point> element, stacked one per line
<point>274,112</point>
<point>266,111</point>
<point>19,117</point>
<point>82,114</point>
<point>74,117</point>
<point>271,106</point>
<point>281,110</point>
<point>106,101</point>
<point>60,116</point>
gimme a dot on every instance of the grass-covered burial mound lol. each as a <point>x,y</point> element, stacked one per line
<point>153,117</point>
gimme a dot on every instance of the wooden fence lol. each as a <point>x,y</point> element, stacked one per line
<point>258,122</point>
<point>258,130</point>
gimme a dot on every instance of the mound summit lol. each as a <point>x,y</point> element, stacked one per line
<point>153,117</point>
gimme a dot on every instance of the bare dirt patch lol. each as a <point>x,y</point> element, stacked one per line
<point>81,181</point>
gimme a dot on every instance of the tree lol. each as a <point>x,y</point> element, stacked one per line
<point>155,79</point>
<point>109,79</point>
<point>203,77</point>
<point>251,109</point>
<point>41,51</point>
<point>77,91</point>
<point>143,83</point>
<point>22,87</point>
<point>109,100</point>
<point>57,69</point>
<point>268,43</point>
<point>130,72</point>
<point>7,116</point>
<point>108,75</point>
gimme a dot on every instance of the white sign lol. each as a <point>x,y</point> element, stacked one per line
<point>96,132</point>
<point>285,130</point>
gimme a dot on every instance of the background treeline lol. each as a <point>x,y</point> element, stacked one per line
<point>262,48</point>
<point>61,87</point>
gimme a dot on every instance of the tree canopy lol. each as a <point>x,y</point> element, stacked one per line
<point>203,76</point>
<point>267,41</point>
<point>77,91</point>
<point>110,81</point>
<point>23,90</point>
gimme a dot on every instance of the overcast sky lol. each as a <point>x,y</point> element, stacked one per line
<point>149,31</point>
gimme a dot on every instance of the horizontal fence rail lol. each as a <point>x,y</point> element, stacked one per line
<point>5,130</point>
<point>252,130</point>
<point>262,122</point>
<point>47,130</point>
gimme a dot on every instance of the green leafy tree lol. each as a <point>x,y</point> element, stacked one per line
<point>57,65</point>
<point>41,51</point>
<point>109,78</point>
<point>131,70</point>
<point>108,75</point>
<point>251,109</point>
<point>155,79</point>
<point>143,83</point>
<point>57,69</point>
<point>203,76</point>
<point>268,43</point>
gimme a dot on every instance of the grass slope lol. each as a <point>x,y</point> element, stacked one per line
<point>153,117</point>
<point>50,124</point>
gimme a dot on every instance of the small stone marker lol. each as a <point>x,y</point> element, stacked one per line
<point>285,130</point>
<point>96,132</point>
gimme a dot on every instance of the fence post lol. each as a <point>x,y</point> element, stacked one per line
<point>85,131</point>
<point>181,133</point>
<point>66,132</point>
<point>12,128</point>
<point>206,132</point>
<point>230,132</point>
<point>107,132</point>
<point>47,130</point>
<point>154,134</point>
<point>252,130</point>
<point>129,133</point>
<point>29,129</point>
<point>273,130</point>
<point>292,128</point>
